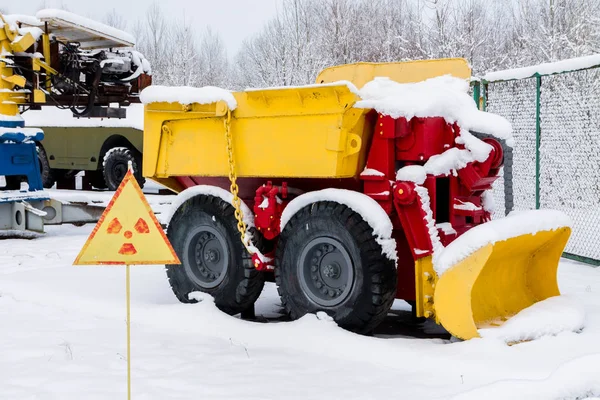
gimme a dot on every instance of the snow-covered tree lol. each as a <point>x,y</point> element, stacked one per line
<point>115,19</point>
<point>306,36</point>
<point>551,30</point>
<point>286,51</point>
<point>178,53</point>
<point>182,67</point>
<point>152,34</point>
<point>213,68</point>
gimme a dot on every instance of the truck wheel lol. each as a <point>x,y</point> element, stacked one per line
<point>48,179</point>
<point>328,260</point>
<point>203,232</point>
<point>115,166</point>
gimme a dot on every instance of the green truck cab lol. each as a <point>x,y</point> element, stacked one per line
<point>102,147</point>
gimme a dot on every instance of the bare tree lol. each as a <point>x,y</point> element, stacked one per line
<point>213,63</point>
<point>551,30</point>
<point>180,55</point>
<point>183,62</point>
<point>114,19</point>
<point>338,23</point>
<point>152,39</point>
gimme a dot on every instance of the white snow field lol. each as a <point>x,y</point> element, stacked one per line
<point>62,336</point>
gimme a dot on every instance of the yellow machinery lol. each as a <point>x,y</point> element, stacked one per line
<point>318,122</point>
<point>498,281</point>
<point>11,42</point>
<point>279,145</point>
<point>60,61</point>
<point>56,60</point>
<point>408,72</point>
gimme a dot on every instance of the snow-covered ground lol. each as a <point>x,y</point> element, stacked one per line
<point>62,336</point>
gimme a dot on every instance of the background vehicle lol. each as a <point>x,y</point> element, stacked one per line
<point>100,147</point>
<point>90,70</point>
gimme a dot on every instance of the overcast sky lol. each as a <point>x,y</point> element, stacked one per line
<point>233,19</point>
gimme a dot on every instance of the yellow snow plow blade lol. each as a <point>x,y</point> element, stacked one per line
<point>498,281</point>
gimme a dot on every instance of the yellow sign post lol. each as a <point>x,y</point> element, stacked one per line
<point>127,233</point>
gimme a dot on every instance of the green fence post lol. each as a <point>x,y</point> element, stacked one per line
<point>538,138</point>
<point>484,90</point>
<point>476,91</point>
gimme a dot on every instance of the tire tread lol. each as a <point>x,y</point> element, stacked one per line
<point>241,294</point>
<point>377,268</point>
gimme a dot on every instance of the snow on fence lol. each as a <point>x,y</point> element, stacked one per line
<point>555,113</point>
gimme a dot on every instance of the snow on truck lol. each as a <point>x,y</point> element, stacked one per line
<point>352,192</point>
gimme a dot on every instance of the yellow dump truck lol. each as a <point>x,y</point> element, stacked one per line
<point>348,198</point>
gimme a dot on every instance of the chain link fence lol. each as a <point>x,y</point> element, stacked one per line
<point>556,156</point>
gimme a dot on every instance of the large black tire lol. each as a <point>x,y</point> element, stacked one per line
<point>203,232</point>
<point>48,178</point>
<point>328,260</point>
<point>115,164</point>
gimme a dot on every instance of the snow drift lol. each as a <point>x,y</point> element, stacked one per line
<point>546,318</point>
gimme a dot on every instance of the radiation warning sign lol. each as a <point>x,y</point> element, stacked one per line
<point>128,232</point>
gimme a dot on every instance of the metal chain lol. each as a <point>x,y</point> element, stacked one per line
<point>234,189</point>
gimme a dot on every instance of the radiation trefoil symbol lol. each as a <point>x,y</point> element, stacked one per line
<point>128,232</point>
<point>115,227</point>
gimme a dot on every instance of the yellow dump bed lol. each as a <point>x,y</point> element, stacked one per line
<point>310,131</point>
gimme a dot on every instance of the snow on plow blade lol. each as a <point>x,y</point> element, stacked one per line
<point>498,280</point>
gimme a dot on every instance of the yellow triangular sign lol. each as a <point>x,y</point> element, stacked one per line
<point>127,232</point>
